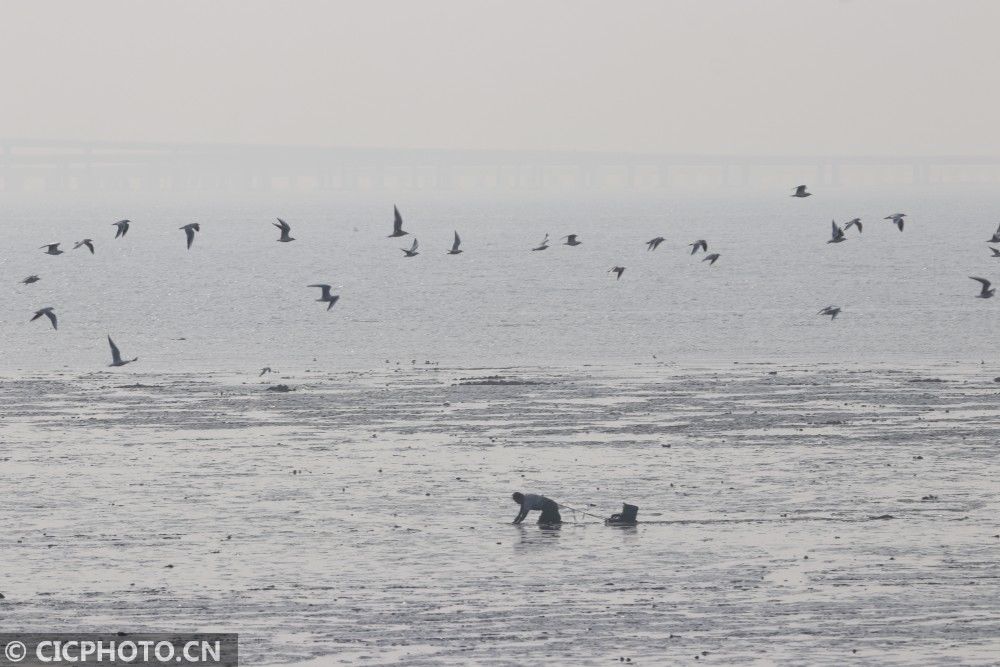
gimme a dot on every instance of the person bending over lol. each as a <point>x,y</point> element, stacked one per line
<point>530,501</point>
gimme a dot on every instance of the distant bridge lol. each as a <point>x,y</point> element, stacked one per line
<point>55,166</point>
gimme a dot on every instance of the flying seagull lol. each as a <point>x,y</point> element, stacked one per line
<point>617,269</point>
<point>189,231</point>
<point>280,224</point>
<point>454,246</point>
<point>856,222</point>
<point>544,244</point>
<point>653,244</point>
<point>996,236</point>
<point>571,240</point>
<point>995,251</point>
<point>412,252</point>
<point>330,299</point>
<point>266,369</point>
<point>800,191</point>
<point>710,258</point>
<point>832,311</point>
<point>397,223</point>
<point>122,226</point>
<point>837,234</point>
<point>700,243</point>
<point>53,249</point>
<point>116,356</point>
<point>897,219</point>
<point>48,312</point>
<point>985,293</point>
<point>86,242</point>
<point>34,278</point>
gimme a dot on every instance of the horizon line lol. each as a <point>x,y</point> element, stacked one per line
<point>36,142</point>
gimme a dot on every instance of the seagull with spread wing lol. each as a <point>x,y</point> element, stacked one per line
<point>832,311</point>
<point>996,236</point>
<point>700,244</point>
<point>285,229</point>
<point>987,291</point>
<point>86,242</point>
<point>330,299</point>
<point>116,356</point>
<point>49,313</point>
<point>412,252</point>
<point>837,235</point>
<point>397,223</point>
<point>189,231</point>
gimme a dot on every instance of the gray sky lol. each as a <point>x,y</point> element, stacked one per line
<point>764,77</point>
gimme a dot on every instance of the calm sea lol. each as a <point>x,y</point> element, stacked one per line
<point>238,299</point>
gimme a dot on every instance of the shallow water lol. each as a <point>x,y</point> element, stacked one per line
<point>760,486</point>
<point>439,385</point>
<point>238,299</point>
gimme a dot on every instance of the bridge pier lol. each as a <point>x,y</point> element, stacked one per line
<point>663,176</point>
<point>744,175</point>
<point>444,178</point>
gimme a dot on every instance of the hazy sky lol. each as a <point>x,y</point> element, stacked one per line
<point>765,77</point>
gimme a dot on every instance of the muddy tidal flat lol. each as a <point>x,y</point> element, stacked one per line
<point>823,514</point>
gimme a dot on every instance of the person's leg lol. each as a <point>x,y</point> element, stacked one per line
<point>550,513</point>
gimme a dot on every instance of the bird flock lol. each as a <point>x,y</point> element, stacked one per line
<point>838,235</point>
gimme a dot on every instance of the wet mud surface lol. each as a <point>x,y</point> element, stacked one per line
<point>814,515</point>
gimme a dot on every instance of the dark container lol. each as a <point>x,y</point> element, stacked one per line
<point>626,517</point>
